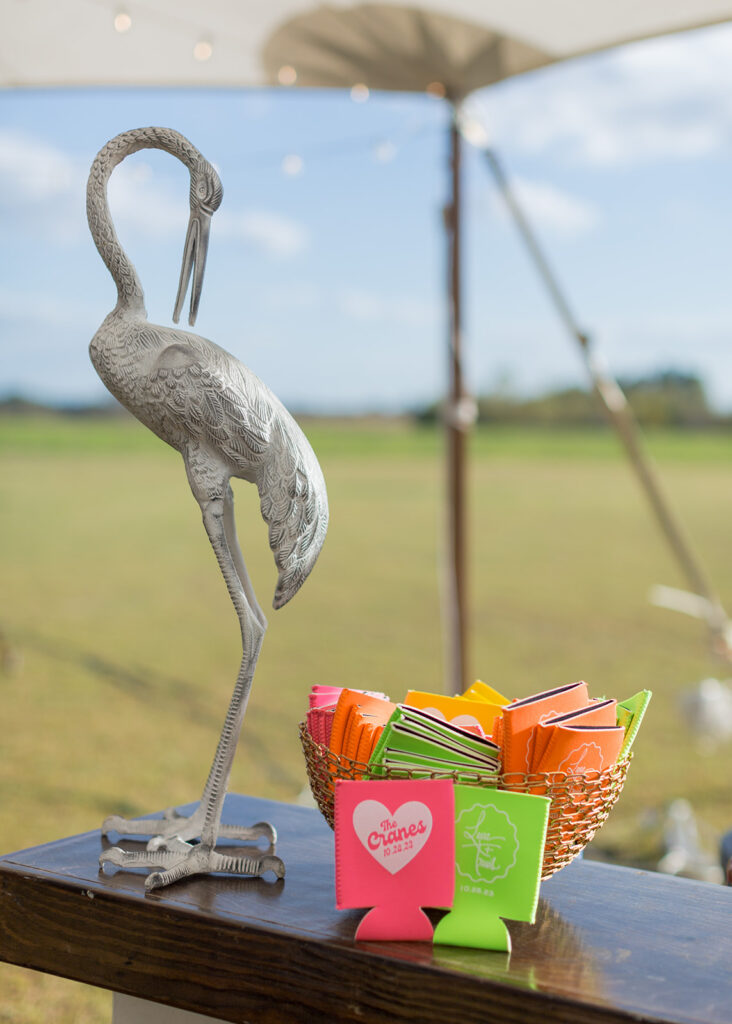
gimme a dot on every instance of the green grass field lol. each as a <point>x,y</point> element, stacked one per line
<point>112,602</point>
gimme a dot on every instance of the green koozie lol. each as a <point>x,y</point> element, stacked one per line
<point>630,714</point>
<point>499,848</point>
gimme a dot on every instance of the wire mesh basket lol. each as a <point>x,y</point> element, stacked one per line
<point>579,806</point>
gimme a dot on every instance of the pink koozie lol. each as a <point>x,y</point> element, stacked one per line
<point>395,852</point>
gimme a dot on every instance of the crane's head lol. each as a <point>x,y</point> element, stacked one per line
<point>206,195</point>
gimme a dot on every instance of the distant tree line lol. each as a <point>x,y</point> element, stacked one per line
<point>665,399</point>
<point>18,405</point>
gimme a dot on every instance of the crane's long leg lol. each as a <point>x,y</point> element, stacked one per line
<point>178,857</point>
<point>244,586</point>
<point>253,625</point>
<point>173,825</point>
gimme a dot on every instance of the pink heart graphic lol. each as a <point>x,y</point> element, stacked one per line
<point>392,839</point>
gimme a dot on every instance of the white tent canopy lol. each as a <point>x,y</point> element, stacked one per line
<point>462,44</point>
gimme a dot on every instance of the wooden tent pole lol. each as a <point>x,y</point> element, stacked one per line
<point>455,431</point>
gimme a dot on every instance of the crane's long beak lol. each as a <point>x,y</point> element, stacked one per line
<point>194,261</point>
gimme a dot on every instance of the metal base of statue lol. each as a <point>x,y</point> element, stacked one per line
<point>225,423</point>
<point>171,850</point>
<point>177,859</point>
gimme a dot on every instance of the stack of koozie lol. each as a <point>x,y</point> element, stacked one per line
<point>478,734</point>
<point>565,730</point>
<point>324,701</point>
<point>415,742</point>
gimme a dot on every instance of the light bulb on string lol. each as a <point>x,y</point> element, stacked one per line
<point>122,21</point>
<point>474,132</point>
<point>472,124</point>
<point>287,75</point>
<point>203,50</point>
<point>436,89</point>
<point>359,93</point>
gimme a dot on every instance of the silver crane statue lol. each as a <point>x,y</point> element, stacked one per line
<point>225,423</point>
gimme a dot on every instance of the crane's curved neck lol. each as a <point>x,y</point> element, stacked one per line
<point>130,296</point>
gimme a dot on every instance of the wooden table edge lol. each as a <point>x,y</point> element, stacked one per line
<point>115,964</point>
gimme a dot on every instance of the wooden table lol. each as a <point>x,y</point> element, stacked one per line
<point>610,944</point>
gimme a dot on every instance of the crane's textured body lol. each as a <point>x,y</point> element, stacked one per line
<point>225,423</point>
<point>199,398</point>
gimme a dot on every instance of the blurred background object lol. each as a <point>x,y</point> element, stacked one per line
<point>725,856</point>
<point>684,854</point>
<point>707,710</point>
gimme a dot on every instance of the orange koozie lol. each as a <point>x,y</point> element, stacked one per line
<point>381,709</point>
<point>497,735</point>
<point>521,718</point>
<point>360,722</point>
<point>369,735</point>
<point>597,712</point>
<point>353,710</point>
<point>581,749</point>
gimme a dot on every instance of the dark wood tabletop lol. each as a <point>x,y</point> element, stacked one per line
<point>609,944</point>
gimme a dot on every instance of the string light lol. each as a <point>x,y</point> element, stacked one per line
<point>202,50</point>
<point>292,165</point>
<point>287,75</point>
<point>473,131</point>
<point>360,93</point>
<point>375,146</point>
<point>436,89</point>
<point>122,21</point>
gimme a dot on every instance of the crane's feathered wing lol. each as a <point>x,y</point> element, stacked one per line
<point>294,505</point>
<point>204,395</point>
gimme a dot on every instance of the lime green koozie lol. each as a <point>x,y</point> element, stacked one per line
<point>499,848</point>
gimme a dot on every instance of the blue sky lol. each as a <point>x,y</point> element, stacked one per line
<point>329,283</point>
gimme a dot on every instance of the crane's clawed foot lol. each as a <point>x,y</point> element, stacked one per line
<point>181,863</point>
<point>173,826</point>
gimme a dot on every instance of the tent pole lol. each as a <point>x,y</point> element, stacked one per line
<point>455,431</point>
<point>623,420</point>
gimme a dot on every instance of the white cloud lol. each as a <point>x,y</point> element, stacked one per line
<point>33,170</point>
<point>660,99</point>
<point>271,232</point>
<point>41,310</point>
<point>363,304</point>
<point>355,303</point>
<point>550,207</point>
<point>41,188</point>
<point>292,295</point>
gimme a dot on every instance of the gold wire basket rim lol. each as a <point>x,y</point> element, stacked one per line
<point>572,824</point>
